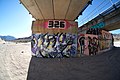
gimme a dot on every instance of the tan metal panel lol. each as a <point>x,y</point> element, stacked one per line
<point>75,7</point>
<point>46,7</point>
<point>60,8</point>
<point>32,8</point>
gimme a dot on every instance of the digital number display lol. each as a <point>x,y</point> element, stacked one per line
<point>56,24</point>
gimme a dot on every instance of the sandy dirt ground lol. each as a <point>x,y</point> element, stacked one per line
<point>14,60</point>
<point>16,63</point>
<point>105,66</point>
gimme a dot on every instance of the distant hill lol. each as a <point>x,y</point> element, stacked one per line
<point>24,39</point>
<point>7,38</point>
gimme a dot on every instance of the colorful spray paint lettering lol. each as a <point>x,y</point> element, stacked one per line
<point>99,25</point>
<point>105,40</point>
<point>54,45</point>
<point>60,38</point>
<point>88,44</point>
<point>54,38</point>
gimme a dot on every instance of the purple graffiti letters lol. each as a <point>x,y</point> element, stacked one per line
<point>54,45</point>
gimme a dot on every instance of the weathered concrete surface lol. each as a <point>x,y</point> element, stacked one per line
<point>54,9</point>
<point>104,66</point>
<point>112,20</point>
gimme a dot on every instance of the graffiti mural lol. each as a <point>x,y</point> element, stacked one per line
<point>105,40</point>
<point>88,44</point>
<point>54,45</point>
<point>98,25</point>
<point>60,38</point>
<point>54,38</point>
<point>92,45</point>
<point>94,31</point>
<point>81,44</point>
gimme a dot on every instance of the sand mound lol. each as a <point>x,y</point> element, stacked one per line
<point>2,41</point>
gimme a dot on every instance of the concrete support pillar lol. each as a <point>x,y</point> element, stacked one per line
<point>54,38</point>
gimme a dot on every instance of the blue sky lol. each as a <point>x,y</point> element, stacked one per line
<point>97,7</point>
<point>91,11</point>
<point>15,20</point>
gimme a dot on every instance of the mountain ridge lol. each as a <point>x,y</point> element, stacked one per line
<point>7,38</point>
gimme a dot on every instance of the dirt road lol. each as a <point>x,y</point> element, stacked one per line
<point>14,60</point>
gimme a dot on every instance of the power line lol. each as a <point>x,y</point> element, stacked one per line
<point>92,15</point>
<point>111,2</point>
<point>94,9</point>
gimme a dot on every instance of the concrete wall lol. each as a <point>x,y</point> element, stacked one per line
<point>54,38</point>
<point>60,38</point>
<point>92,44</point>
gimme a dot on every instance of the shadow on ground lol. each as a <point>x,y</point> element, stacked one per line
<point>104,66</point>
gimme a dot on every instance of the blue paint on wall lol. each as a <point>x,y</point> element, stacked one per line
<point>99,25</point>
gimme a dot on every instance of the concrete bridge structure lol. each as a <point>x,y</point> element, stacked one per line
<point>108,20</point>
<point>98,29</point>
<point>54,32</point>
<point>55,9</point>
